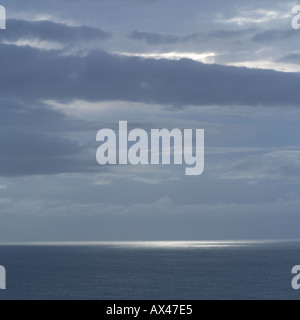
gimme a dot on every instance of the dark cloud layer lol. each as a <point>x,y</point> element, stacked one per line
<point>33,75</point>
<point>153,38</point>
<point>50,31</point>
<point>36,139</point>
<point>33,141</point>
<point>33,137</point>
<point>274,35</point>
<point>225,34</point>
<point>291,58</point>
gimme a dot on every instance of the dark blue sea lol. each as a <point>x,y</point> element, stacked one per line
<point>151,270</point>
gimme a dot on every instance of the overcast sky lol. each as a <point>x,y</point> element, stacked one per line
<point>71,68</point>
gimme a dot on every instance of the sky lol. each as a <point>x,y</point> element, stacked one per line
<point>72,68</point>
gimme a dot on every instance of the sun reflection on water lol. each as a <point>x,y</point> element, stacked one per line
<point>157,244</point>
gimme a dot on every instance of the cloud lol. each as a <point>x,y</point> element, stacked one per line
<point>37,140</point>
<point>151,175</point>
<point>50,31</point>
<point>291,58</point>
<point>221,34</point>
<point>153,38</point>
<point>274,35</point>
<point>30,220</point>
<point>34,153</point>
<point>282,164</point>
<point>33,75</point>
<point>204,57</point>
<point>255,16</point>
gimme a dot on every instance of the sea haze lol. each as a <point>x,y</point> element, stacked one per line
<point>150,270</point>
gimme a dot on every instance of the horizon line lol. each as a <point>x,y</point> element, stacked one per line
<point>161,242</point>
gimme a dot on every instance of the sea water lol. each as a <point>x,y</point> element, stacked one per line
<point>150,270</point>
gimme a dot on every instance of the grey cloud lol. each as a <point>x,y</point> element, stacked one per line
<point>31,133</point>
<point>75,221</point>
<point>33,141</point>
<point>291,58</point>
<point>153,38</point>
<point>274,165</point>
<point>34,153</point>
<point>40,117</point>
<point>13,167</point>
<point>50,31</point>
<point>33,75</point>
<point>230,33</point>
<point>18,115</point>
<point>274,35</point>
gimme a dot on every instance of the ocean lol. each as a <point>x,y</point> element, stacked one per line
<point>204,270</point>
